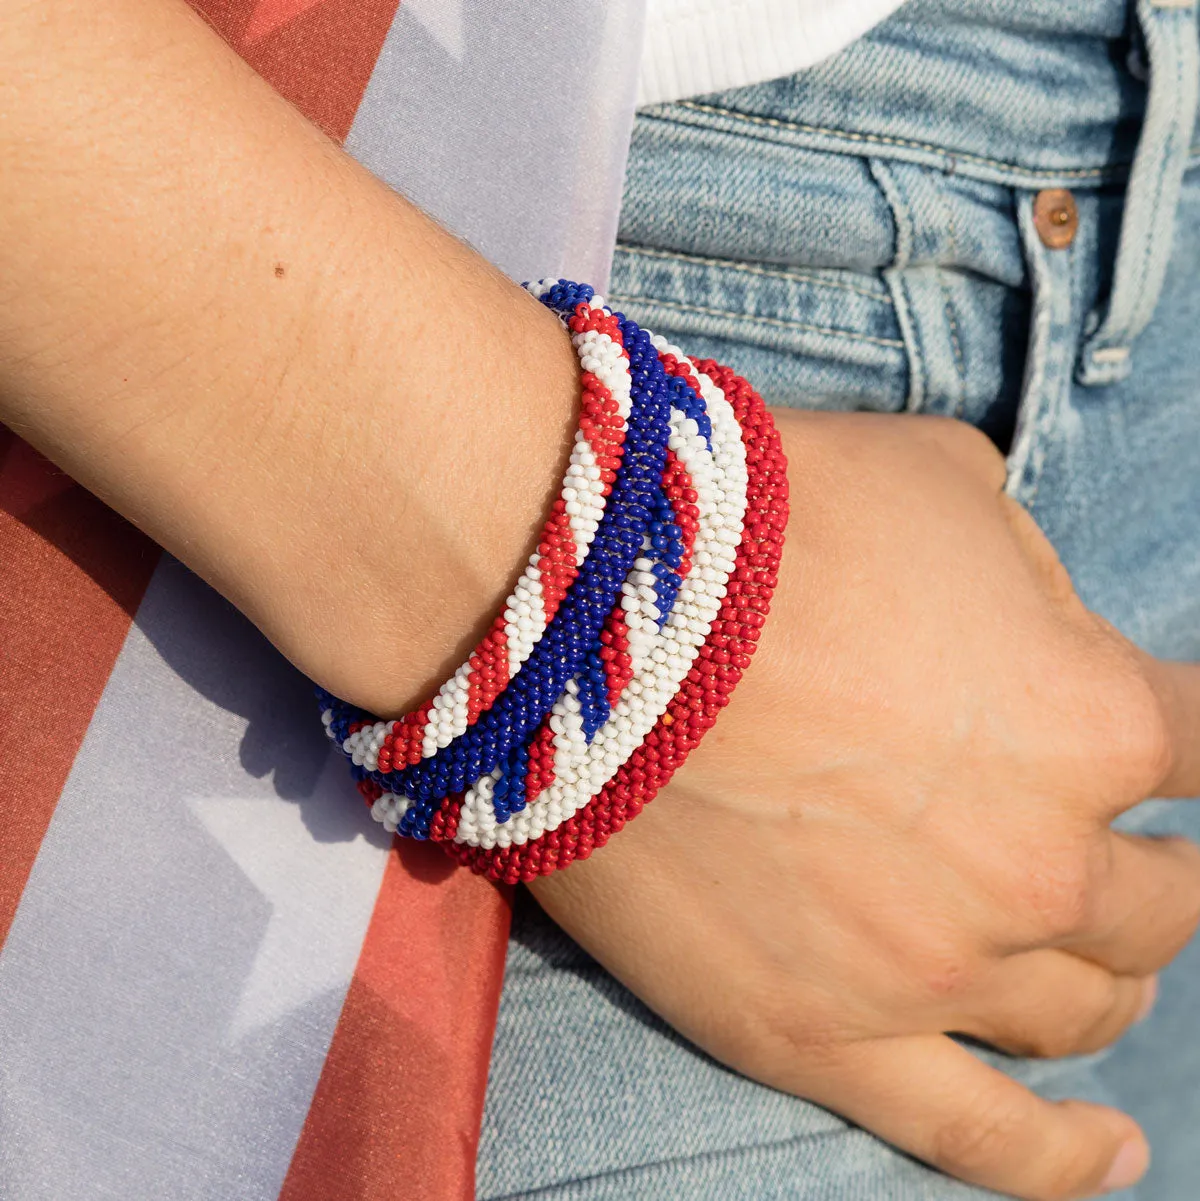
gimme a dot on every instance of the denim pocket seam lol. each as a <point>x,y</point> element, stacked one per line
<point>730,314</point>
<point>946,157</point>
<point>782,273</point>
<point>896,278</point>
<point>956,344</point>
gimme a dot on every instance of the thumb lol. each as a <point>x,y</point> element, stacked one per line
<point>930,1097</point>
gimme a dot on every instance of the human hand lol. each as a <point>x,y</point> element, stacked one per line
<point>900,825</point>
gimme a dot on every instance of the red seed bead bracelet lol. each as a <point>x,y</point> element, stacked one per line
<point>721,662</point>
<point>616,661</point>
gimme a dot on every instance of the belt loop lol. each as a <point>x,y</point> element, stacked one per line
<point>1144,248</point>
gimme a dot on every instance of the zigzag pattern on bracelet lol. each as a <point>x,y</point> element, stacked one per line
<point>654,576</point>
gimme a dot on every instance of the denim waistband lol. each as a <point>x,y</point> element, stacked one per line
<point>1028,93</point>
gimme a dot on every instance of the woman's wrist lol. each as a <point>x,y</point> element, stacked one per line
<point>340,416</point>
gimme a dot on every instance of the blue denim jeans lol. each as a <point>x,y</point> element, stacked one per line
<point>863,236</point>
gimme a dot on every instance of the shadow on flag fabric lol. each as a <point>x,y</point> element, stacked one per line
<point>227,983</point>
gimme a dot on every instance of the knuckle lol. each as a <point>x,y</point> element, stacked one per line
<point>978,1145</point>
<point>1056,893</point>
<point>769,1030</point>
<point>1156,752</point>
<point>1151,753</point>
<point>1085,1025</point>
<point>977,1141</point>
<point>1130,740</point>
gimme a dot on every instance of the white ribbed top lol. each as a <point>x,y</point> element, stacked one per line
<point>698,46</point>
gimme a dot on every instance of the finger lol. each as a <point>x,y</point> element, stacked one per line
<point>1147,908</point>
<point>1177,686</point>
<point>1049,1004</point>
<point>934,1099</point>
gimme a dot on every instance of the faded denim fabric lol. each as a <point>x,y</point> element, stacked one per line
<point>858,236</point>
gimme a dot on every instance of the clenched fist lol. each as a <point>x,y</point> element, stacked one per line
<point>900,828</point>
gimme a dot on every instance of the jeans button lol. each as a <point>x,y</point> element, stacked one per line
<point>1055,217</point>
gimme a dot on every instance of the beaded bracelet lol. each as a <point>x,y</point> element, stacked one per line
<point>632,624</point>
<point>552,568</point>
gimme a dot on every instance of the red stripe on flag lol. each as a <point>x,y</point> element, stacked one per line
<point>397,1109</point>
<point>73,573</point>
<point>319,54</point>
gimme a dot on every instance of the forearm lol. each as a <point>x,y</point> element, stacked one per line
<point>211,317</point>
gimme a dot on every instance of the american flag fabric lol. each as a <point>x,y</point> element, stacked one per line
<point>218,979</point>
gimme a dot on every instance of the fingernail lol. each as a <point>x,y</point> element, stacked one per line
<point>1129,1166</point>
<point>1148,999</point>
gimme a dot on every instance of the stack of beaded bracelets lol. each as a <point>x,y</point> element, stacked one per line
<point>631,624</point>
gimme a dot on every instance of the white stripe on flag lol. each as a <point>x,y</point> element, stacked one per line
<point>510,124</point>
<point>180,956</point>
